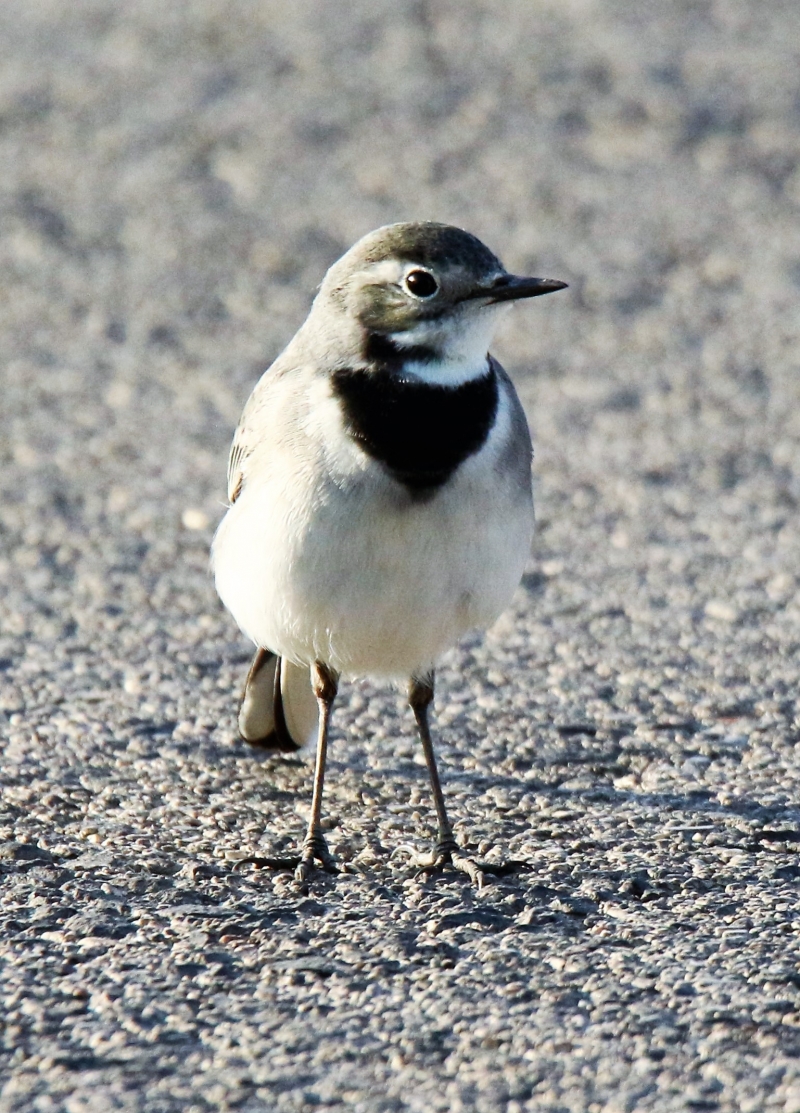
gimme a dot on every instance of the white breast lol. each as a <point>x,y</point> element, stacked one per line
<point>325,557</point>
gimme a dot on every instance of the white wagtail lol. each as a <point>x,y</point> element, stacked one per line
<point>380,494</point>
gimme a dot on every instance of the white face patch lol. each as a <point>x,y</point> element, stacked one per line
<point>462,338</point>
<point>388,272</point>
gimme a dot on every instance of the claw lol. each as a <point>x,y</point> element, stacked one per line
<point>315,849</point>
<point>269,863</point>
<point>472,869</point>
<point>448,853</point>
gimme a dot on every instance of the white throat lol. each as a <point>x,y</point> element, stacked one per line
<point>463,341</point>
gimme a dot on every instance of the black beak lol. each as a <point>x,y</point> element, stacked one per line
<point>513,287</point>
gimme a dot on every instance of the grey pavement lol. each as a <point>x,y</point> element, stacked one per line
<point>176,178</point>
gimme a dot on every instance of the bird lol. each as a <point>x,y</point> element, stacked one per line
<point>379,497</point>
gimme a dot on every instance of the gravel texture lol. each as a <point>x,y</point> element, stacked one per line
<point>176,178</point>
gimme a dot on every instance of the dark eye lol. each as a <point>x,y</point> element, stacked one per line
<point>421,284</point>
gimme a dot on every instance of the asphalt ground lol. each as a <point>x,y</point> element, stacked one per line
<point>176,178</point>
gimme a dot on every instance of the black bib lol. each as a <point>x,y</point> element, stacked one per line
<point>419,431</point>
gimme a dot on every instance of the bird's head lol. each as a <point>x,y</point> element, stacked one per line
<point>425,287</point>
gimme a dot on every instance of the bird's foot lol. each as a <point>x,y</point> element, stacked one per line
<point>446,853</point>
<point>314,850</point>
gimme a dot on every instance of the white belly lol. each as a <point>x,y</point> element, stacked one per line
<point>366,580</point>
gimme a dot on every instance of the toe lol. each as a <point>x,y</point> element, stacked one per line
<point>470,868</point>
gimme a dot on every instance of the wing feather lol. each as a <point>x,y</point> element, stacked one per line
<point>245,440</point>
<point>236,460</point>
<point>256,420</point>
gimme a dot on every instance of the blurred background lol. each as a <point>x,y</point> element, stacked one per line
<point>176,178</point>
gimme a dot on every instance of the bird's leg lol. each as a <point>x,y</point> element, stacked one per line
<point>325,683</point>
<point>447,851</point>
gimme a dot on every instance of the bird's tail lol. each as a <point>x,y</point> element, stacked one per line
<point>279,710</point>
